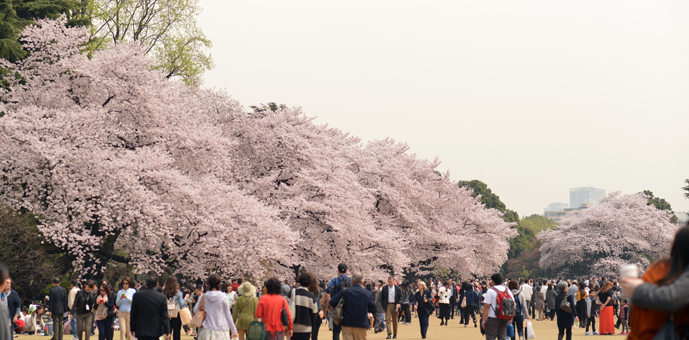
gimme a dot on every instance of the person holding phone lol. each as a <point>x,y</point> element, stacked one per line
<point>124,305</point>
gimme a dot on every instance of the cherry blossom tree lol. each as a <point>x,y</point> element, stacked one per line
<point>117,165</point>
<point>445,227</point>
<point>623,229</point>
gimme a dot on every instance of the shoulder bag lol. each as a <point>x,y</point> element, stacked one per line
<point>565,306</point>
<point>200,316</point>
<point>283,316</point>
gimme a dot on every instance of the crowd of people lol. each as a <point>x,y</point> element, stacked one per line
<point>350,305</point>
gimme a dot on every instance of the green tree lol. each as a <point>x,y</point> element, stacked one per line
<point>490,199</point>
<point>271,106</point>
<point>660,204</point>
<point>32,262</point>
<point>166,28</point>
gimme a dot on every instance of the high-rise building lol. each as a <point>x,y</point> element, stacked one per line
<point>556,207</point>
<point>588,195</point>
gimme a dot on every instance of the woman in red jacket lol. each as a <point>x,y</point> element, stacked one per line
<point>270,307</point>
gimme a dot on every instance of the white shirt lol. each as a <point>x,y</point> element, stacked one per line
<point>492,298</point>
<point>544,289</point>
<point>527,291</point>
<point>391,294</point>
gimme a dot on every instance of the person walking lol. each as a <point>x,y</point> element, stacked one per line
<point>521,311</point>
<point>174,296</point>
<point>105,313</point>
<point>539,304</point>
<point>57,307</point>
<point>454,299</point>
<point>470,298</point>
<point>270,307</point>
<point>550,301</point>
<point>5,327</point>
<point>149,318</point>
<point>527,290</point>
<point>565,319</point>
<point>444,304</point>
<point>358,305</point>
<point>70,304</point>
<point>336,286</point>
<point>581,304</point>
<point>379,316</point>
<point>123,300</point>
<point>391,296</point>
<point>305,307</point>
<point>495,328</point>
<point>11,299</point>
<point>407,297</point>
<point>218,324</point>
<point>84,304</point>
<point>245,308</point>
<point>424,307</point>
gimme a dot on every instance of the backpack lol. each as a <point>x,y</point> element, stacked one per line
<point>341,285</point>
<point>337,313</point>
<point>518,310</point>
<point>505,309</point>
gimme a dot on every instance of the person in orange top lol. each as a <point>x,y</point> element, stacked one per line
<point>644,323</point>
<point>270,307</point>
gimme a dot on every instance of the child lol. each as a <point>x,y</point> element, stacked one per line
<point>624,317</point>
<point>591,312</point>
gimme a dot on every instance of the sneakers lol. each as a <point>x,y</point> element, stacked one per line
<point>596,333</point>
<point>588,333</point>
<point>394,336</point>
<point>389,336</point>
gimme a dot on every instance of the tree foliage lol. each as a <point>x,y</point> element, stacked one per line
<point>686,189</point>
<point>491,200</point>
<point>167,30</point>
<point>32,262</point>
<point>123,165</point>
<point>660,204</point>
<point>622,229</point>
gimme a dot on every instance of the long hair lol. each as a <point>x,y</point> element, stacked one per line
<point>105,287</point>
<point>605,287</point>
<point>679,256</point>
<point>171,287</point>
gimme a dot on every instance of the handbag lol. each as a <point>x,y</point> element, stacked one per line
<point>256,331</point>
<point>185,316</point>
<point>565,306</point>
<point>172,309</point>
<point>283,316</point>
<point>200,316</point>
<point>464,302</point>
<point>510,330</point>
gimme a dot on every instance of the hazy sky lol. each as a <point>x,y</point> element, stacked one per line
<point>531,97</point>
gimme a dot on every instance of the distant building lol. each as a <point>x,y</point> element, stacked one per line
<point>555,215</point>
<point>588,195</point>
<point>556,207</point>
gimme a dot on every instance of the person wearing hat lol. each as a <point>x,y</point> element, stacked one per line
<point>336,286</point>
<point>245,308</point>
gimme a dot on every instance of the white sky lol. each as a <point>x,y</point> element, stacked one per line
<point>531,97</point>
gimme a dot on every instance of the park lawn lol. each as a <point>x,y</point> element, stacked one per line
<point>546,330</point>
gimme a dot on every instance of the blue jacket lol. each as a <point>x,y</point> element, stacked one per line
<point>357,304</point>
<point>472,298</point>
<point>333,287</point>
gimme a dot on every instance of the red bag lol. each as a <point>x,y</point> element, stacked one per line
<point>506,307</point>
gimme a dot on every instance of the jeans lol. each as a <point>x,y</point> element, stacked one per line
<point>561,334</point>
<point>589,321</point>
<point>74,325</point>
<point>406,312</point>
<point>468,311</point>
<point>105,328</point>
<point>423,321</point>
<point>518,323</point>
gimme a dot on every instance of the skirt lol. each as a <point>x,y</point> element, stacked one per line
<point>607,325</point>
<point>209,334</point>
<point>444,312</point>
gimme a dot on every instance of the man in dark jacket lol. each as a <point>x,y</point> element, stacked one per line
<point>149,318</point>
<point>57,307</point>
<point>454,295</point>
<point>14,303</point>
<point>358,303</point>
<point>83,308</point>
<point>390,298</point>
